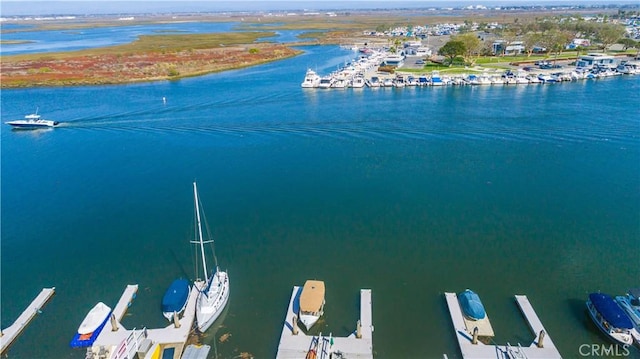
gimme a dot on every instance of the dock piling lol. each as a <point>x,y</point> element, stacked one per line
<point>541,339</point>
<point>176,320</point>
<point>474,341</point>
<point>294,321</point>
<point>114,323</point>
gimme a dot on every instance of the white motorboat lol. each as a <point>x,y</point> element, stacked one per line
<point>311,79</point>
<point>358,82</point>
<point>32,121</point>
<point>311,302</point>
<point>91,326</point>
<point>214,288</point>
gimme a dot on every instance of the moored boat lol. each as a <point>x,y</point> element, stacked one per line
<point>213,287</point>
<point>311,79</point>
<point>471,305</point>
<point>175,298</point>
<point>311,302</point>
<point>631,305</point>
<point>610,318</point>
<point>91,326</point>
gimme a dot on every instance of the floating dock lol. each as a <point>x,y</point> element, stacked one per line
<point>9,334</point>
<point>168,342</point>
<point>542,346</point>
<point>295,344</point>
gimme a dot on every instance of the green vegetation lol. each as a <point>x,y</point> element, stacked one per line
<point>159,43</point>
<point>452,49</point>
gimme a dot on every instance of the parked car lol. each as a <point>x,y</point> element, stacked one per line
<point>420,62</point>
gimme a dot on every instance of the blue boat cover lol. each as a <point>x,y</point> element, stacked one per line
<point>610,311</point>
<point>471,305</point>
<point>176,296</point>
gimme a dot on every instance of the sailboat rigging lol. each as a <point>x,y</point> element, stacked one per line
<point>214,289</point>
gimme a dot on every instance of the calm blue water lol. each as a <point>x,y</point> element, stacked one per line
<point>506,190</point>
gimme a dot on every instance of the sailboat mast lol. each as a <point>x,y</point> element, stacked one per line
<point>204,261</point>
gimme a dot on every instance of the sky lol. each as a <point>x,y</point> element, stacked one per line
<point>86,7</point>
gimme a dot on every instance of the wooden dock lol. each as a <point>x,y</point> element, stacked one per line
<point>9,334</point>
<point>116,338</point>
<point>359,344</point>
<point>539,349</point>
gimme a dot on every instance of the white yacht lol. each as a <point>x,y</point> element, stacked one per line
<point>311,79</point>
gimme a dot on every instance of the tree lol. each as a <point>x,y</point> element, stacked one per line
<point>531,40</point>
<point>452,49</point>
<point>608,34</point>
<point>471,44</point>
<point>628,43</point>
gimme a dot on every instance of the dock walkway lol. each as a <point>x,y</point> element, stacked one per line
<point>359,344</point>
<point>546,350</point>
<point>115,338</point>
<point>9,334</point>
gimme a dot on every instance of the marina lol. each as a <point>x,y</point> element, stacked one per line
<point>366,69</point>
<point>10,334</point>
<point>294,343</point>
<point>470,346</point>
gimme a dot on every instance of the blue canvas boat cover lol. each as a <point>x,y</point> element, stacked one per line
<point>471,305</point>
<point>176,296</point>
<point>610,311</point>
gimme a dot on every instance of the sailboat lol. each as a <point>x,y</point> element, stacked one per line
<point>214,288</point>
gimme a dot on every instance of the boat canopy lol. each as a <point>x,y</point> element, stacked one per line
<point>176,296</point>
<point>610,311</point>
<point>471,305</point>
<point>312,297</point>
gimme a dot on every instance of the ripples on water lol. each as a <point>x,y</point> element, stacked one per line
<point>538,113</point>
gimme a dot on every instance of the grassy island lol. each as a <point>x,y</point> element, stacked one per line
<point>150,58</point>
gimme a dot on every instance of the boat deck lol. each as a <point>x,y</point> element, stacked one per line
<point>297,345</point>
<point>486,351</point>
<point>10,333</point>
<point>169,336</point>
<point>484,325</point>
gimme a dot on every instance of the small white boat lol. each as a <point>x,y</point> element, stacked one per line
<point>311,79</point>
<point>311,302</point>
<point>436,80</point>
<point>32,121</point>
<point>358,82</point>
<point>610,318</point>
<point>91,326</point>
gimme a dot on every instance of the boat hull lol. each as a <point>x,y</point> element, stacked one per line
<point>308,320</point>
<point>209,308</point>
<point>32,125</point>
